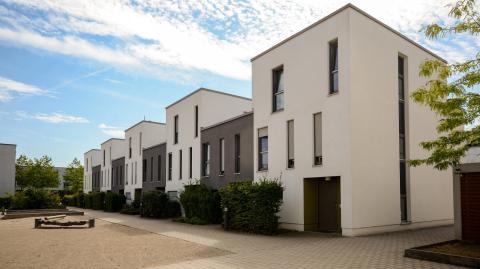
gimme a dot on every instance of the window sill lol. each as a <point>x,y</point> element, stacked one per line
<point>405,222</point>
<point>236,174</point>
<point>221,175</point>
<point>278,110</point>
<point>262,171</point>
<point>333,93</point>
<point>290,168</point>
<point>317,165</point>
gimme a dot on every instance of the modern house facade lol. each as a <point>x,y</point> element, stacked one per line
<point>141,135</point>
<point>154,173</point>
<point>334,123</point>
<point>227,151</point>
<point>8,153</point>
<point>185,118</point>
<point>111,149</point>
<point>91,158</point>
<point>118,175</point>
<point>96,177</point>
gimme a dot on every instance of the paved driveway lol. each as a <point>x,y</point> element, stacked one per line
<point>291,250</point>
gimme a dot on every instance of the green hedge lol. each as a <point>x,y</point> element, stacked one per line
<point>70,200</point>
<point>34,198</point>
<point>201,203</point>
<point>98,200</point>
<point>88,200</point>
<point>80,200</point>
<point>156,204</point>
<point>131,209</point>
<point>5,202</point>
<point>253,206</point>
<point>114,201</point>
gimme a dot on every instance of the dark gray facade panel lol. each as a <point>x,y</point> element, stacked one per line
<point>96,177</point>
<point>153,179</point>
<point>242,126</point>
<point>118,175</point>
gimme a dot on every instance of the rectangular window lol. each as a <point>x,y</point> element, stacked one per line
<point>129,147</point>
<point>104,158</point>
<point>126,174</point>
<point>222,156</point>
<point>263,149</point>
<point>402,144</point>
<point>205,159</point>
<point>190,162</point>
<point>175,129</point>
<point>112,179</point>
<point>278,89</point>
<point>140,145</point>
<point>180,164</point>
<point>86,164</point>
<point>144,171</point>
<point>169,166</point>
<point>151,168</point>
<point>121,173</point>
<point>237,154</point>
<point>196,121</point>
<point>135,172</point>
<point>333,66</point>
<point>317,139</point>
<point>290,145</point>
<point>159,175</point>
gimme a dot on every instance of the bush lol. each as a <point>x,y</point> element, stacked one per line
<point>88,200</point>
<point>80,199</point>
<point>98,200</point>
<point>131,209</point>
<point>253,206</point>
<point>70,200</point>
<point>201,203</point>
<point>156,204</point>
<point>114,201</point>
<point>34,198</point>
<point>5,202</point>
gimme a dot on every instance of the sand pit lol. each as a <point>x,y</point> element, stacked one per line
<point>107,245</point>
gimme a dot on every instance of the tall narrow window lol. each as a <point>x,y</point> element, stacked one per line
<point>113,182</point>
<point>180,164</point>
<point>169,166</point>
<point>401,128</point>
<point>237,153</point>
<point>104,158</point>
<point>190,162</point>
<point>278,88</point>
<point>86,164</point>
<point>317,139</point>
<point>129,147</point>
<point>175,129</point>
<point>159,172</point>
<point>135,172</point>
<point>110,153</point>
<point>333,66</point>
<point>131,177</point>
<point>121,173</point>
<point>140,145</point>
<point>290,145</point>
<point>263,149</point>
<point>151,168</point>
<point>126,174</point>
<point>144,170</point>
<point>222,156</point>
<point>196,121</point>
<point>205,159</point>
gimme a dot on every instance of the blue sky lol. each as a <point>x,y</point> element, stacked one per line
<point>75,73</point>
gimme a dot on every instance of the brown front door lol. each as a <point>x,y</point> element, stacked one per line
<point>322,204</point>
<point>470,203</point>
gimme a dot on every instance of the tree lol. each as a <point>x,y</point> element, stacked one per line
<point>447,92</point>
<point>36,173</point>
<point>73,177</point>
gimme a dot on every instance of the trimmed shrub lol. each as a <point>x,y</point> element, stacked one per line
<point>201,203</point>
<point>114,201</point>
<point>88,200</point>
<point>70,200</point>
<point>80,199</point>
<point>131,209</point>
<point>156,204</point>
<point>5,202</point>
<point>98,200</point>
<point>253,206</point>
<point>33,198</point>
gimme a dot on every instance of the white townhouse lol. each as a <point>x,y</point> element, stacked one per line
<point>141,135</point>
<point>91,159</point>
<point>185,118</point>
<point>334,122</point>
<point>8,153</point>
<point>111,149</point>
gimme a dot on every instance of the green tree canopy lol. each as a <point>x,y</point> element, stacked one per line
<point>36,173</point>
<point>448,92</point>
<point>73,177</point>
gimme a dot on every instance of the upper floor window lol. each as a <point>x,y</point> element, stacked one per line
<point>190,161</point>
<point>278,89</point>
<point>222,156</point>
<point>317,139</point>
<point>140,145</point>
<point>159,167</point>
<point>263,149</point>
<point>180,161</point>
<point>333,66</point>
<point>151,168</point>
<point>237,153</point>
<point>169,166</point>
<point>175,129</point>
<point>196,121</point>
<point>103,157</point>
<point>129,147</point>
<point>144,170</point>
<point>206,159</point>
<point>290,145</point>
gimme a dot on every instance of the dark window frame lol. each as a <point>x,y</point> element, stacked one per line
<point>261,165</point>
<point>169,166</point>
<point>151,168</point>
<point>317,156</point>
<point>180,161</point>
<point>221,155</point>
<point>175,129</point>
<point>196,121</point>
<point>190,162</point>
<point>206,159</point>
<point>144,170</point>
<point>237,153</point>
<point>333,74</point>
<point>159,172</point>
<point>277,75</point>
<point>290,161</point>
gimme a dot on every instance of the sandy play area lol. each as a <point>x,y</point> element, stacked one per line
<point>105,246</point>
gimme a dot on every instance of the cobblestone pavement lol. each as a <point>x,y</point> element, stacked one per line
<point>291,250</point>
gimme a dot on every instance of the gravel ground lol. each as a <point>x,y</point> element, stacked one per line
<point>107,245</point>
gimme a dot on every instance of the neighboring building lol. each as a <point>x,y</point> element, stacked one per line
<point>334,122</point>
<point>111,149</point>
<point>154,173</point>
<point>8,154</point>
<point>227,151</point>
<point>118,175</point>
<point>91,158</point>
<point>61,172</point>
<point>185,118</point>
<point>141,135</point>
<point>96,178</point>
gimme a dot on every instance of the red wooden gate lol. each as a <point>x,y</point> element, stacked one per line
<point>470,202</point>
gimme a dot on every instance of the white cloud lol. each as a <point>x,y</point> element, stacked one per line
<point>9,88</point>
<point>59,118</point>
<point>111,130</point>
<point>217,36</point>
<point>5,97</point>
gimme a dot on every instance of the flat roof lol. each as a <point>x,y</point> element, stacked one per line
<point>349,5</point>
<point>113,138</point>
<point>6,144</point>
<point>228,120</point>
<point>208,90</point>
<point>121,157</point>
<point>154,146</point>
<point>144,121</point>
<point>92,150</point>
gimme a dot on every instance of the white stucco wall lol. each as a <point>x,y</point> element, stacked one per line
<point>359,125</point>
<point>91,158</point>
<point>213,107</point>
<point>7,169</point>
<point>114,148</point>
<point>152,133</point>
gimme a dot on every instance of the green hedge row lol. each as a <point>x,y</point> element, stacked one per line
<point>253,206</point>
<point>109,201</point>
<point>114,201</point>
<point>201,204</point>
<point>156,204</point>
<point>34,198</point>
